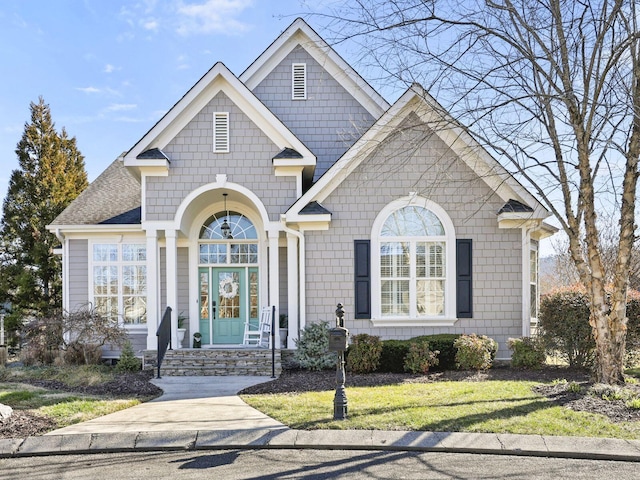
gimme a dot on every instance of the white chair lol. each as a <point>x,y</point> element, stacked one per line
<point>260,337</point>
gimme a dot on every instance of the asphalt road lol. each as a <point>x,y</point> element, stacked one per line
<point>308,464</point>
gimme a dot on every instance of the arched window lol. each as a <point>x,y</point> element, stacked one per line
<point>228,238</point>
<point>414,262</point>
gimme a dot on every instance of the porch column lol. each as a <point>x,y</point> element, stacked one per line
<point>153,289</point>
<point>274,278</point>
<point>172,284</point>
<point>292,288</point>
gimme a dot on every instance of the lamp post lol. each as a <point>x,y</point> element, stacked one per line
<point>338,342</point>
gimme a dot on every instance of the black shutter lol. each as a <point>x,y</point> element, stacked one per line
<point>464,279</point>
<point>362,278</point>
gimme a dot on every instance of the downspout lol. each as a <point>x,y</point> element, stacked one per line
<point>301,275</point>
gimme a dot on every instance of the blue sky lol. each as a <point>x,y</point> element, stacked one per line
<point>109,69</point>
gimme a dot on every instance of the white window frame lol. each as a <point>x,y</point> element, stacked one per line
<point>534,282</point>
<point>449,238</point>
<point>221,139</point>
<point>119,264</point>
<point>299,81</point>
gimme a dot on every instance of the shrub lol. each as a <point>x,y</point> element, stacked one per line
<point>128,361</point>
<point>563,320</point>
<point>43,339</point>
<point>633,324</point>
<point>444,343</point>
<point>364,353</point>
<point>475,352</point>
<point>392,356</point>
<point>420,358</point>
<point>313,347</point>
<point>527,352</point>
<point>82,354</point>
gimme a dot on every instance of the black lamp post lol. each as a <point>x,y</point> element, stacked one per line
<point>338,341</point>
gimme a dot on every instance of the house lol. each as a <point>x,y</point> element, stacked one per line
<point>297,185</point>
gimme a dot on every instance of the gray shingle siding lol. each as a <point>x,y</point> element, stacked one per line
<point>78,274</point>
<point>434,172</point>
<point>328,122</point>
<point>193,163</point>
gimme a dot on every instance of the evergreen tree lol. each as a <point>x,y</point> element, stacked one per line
<point>51,174</point>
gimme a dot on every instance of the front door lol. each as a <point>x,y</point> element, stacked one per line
<point>227,278</point>
<point>228,299</point>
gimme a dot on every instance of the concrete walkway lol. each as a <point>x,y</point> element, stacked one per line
<point>188,403</point>
<point>204,413</point>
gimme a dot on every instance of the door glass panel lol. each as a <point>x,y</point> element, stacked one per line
<point>204,295</point>
<point>253,293</point>
<point>229,294</point>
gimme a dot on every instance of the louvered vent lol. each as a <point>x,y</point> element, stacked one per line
<point>299,81</point>
<point>221,132</point>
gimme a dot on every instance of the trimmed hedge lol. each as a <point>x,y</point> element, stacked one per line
<point>394,352</point>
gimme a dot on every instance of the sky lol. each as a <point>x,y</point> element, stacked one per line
<point>110,69</point>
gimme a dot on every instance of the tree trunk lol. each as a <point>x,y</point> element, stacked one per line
<point>610,333</point>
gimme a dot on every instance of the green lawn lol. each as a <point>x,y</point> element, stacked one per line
<point>489,406</point>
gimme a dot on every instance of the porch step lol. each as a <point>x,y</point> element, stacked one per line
<point>201,361</point>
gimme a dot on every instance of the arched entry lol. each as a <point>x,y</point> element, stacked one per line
<point>228,277</point>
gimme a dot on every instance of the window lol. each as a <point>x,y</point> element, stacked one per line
<point>413,247</point>
<point>236,248</point>
<point>533,284</point>
<point>221,132</point>
<point>299,81</point>
<point>119,275</point>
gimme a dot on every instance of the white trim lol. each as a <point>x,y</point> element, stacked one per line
<point>300,33</point>
<point>153,288</point>
<point>526,303</point>
<point>449,317</point>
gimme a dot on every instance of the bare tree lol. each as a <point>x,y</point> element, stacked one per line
<point>552,89</point>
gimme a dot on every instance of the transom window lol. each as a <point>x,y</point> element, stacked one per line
<point>412,240</point>
<point>228,238</point>
<point>120,281</point>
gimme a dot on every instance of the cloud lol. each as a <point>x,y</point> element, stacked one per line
<point>88,89</point>
<point>212,16</point>
<point>150,24</point>
<point>108,68</point>
<point>121,107</point>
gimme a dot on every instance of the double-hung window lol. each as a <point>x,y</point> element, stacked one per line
<point>119,281</point>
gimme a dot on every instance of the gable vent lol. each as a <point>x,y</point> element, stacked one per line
<point>221,132</point>
<point>299,81</point>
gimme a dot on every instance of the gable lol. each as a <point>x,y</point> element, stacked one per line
<point>328,120</point>
<point>418,105</point>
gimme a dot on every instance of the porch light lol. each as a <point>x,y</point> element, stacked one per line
<point>226,229</point>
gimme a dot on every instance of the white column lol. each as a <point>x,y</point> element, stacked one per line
<point>172,284</point>
<point>274,278</point>
<point>292,288</point>
<point>153,289</point>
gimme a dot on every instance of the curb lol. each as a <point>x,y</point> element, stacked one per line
<point>453,442</point>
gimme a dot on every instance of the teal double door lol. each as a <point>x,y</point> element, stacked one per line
<point>228,299</point>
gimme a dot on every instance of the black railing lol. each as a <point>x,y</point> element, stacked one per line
<point>164,336</point>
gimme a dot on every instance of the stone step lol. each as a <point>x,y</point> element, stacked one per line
<point>198,362</point>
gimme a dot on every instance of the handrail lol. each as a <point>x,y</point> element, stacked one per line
<point>164,336</point>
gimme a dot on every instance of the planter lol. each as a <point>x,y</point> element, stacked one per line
<point>181,333</point>
<point>283,337</point>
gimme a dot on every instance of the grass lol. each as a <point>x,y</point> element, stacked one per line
<point>65,408</point>
<point>490,406</point>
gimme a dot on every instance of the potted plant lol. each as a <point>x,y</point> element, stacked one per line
<point>182,330</point>
<point>284,330</point>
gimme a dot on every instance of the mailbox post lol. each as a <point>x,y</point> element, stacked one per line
<point>339,342</point>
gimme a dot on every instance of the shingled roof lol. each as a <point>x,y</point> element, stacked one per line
<point>113,198</point>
